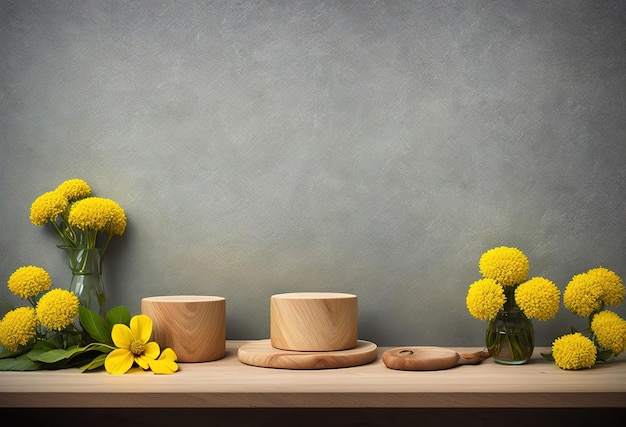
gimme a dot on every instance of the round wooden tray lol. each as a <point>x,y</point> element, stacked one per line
<point>261,353</point>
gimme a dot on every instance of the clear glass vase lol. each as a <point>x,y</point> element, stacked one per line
<point>87,283</point>
<point>510,337</point>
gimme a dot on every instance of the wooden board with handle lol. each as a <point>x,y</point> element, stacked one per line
<point>426,358</point>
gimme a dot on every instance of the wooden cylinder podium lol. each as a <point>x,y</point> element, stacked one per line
<point>313,321</point>
<point>191,325</point>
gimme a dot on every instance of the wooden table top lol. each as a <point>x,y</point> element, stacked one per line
<point>228,383</point>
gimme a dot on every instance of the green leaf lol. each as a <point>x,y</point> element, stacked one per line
<point>59,355</point>
<point>604,355</point>
<point>95,326</point>
<point>20,363</point>
<point>119,314</point>
<point>548,356</point>
<point>41,347</point>
<point>50,356</point>
<point>6,354</point>
<point>96,363</point>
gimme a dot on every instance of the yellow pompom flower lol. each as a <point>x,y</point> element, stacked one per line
<point>134,346</point>
<point>57,309</point>
<point>74,189</point>
<point>91,214</point>
<point>538,298</point>
<point>47,207</point>
<point>117,218</point>
<point>583,295</point>
<point>612,287</point>
<point>17,327</point>
<point>98,214</point>
<point>574,351</point>
<point>485,298</point>
<point>29,281</point>
<point>610,331</point>
<point>507,266</point>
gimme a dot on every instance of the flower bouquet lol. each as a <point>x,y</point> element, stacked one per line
<point>587,295</point>
<point>45,335</point>
<point>80,219</point>
<point>508,300</point>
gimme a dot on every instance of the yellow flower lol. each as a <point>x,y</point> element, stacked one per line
<point>74,189</point>
<point>47,207</point>
<point>166,363</point>
<point>117,218</point>
<point>610,331</point>
<point>29,281</point>
<point>612,287</point>
<point>583,295</point>
<point>91,213</point>
<point>507,266</point>
<point>17,327</point>
<point>574,351</point>
<point>539,298</point>
<point>485,298</point>
<point>133,346</point>
<point>97,214</point>
<point>57,309</point>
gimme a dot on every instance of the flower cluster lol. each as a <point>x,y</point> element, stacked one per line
<point>504,285</point>
<point>46,335</point>
<point>587,295</point>
<point>77,216</point>
<point>51,310</point>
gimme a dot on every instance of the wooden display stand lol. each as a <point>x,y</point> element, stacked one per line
<point>313,321</point>
<point>193,326</point>
<point>311,330</point>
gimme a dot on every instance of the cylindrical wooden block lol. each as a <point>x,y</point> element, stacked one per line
<point>313,321</point>
<point>191,325</point>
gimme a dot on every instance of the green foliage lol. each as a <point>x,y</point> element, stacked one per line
<point>95,326</point>
<point>19,363</point>
<point>95,363</point>
<point>70,348</point>
<point>6,354</point>
<point>604,355</point>
<point>119,314</point>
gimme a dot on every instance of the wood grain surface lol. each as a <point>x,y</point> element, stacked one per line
<point>193,326</point>
<point>314,321</point>
<point>262,354</point>
<point>229,383</point>
<point>425,358</point>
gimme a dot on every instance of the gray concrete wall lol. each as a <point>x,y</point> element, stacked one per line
<point>370,147</point>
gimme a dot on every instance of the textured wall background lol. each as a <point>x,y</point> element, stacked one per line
<point>371,147</point>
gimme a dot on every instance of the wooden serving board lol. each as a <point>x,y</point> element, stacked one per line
<point>261,353</point>
<point>429,358</point>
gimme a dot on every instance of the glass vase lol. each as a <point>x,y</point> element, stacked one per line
<point>510,337</point>
<point>87,283</point>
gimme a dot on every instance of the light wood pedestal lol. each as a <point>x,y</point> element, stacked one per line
<point>229,390</point>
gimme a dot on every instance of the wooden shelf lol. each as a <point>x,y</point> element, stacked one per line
<point>228,383</point>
